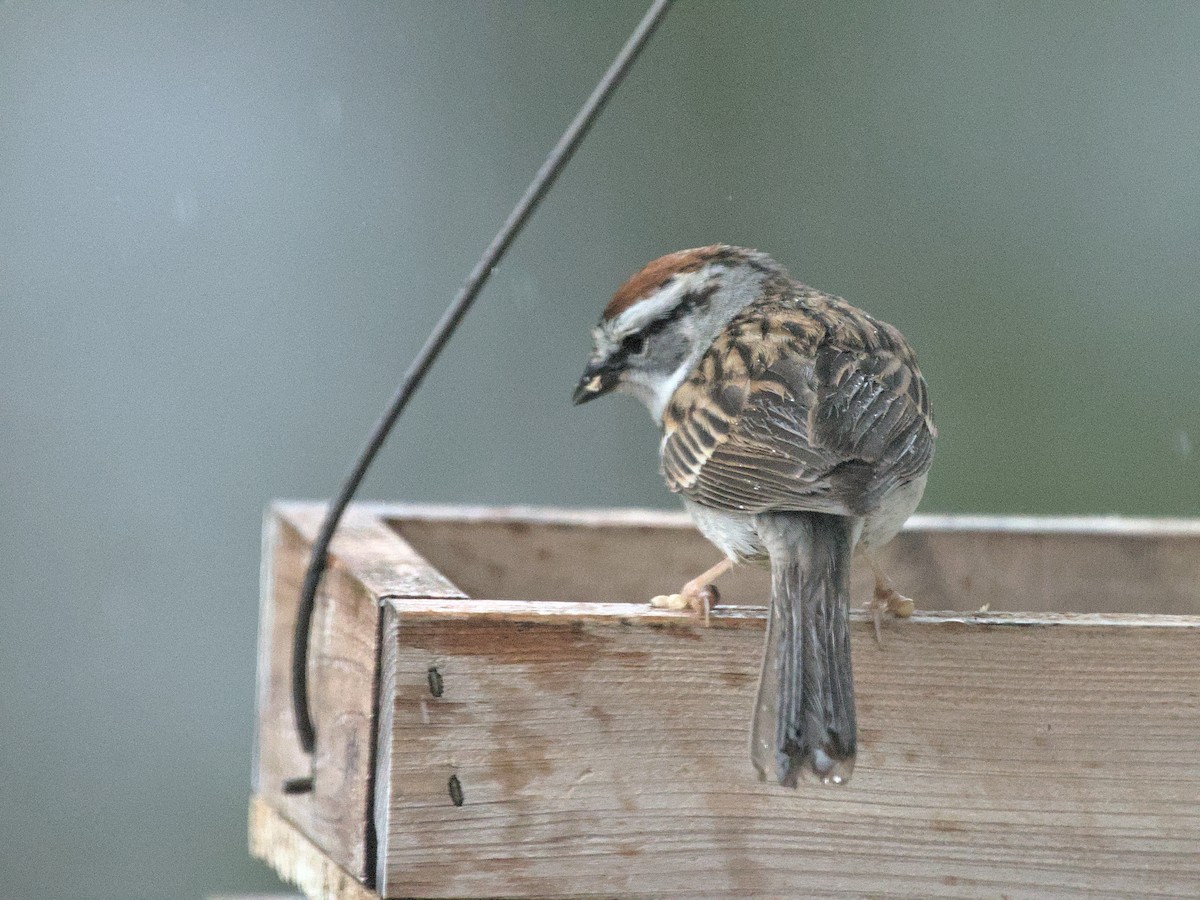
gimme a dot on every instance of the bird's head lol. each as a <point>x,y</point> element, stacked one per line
<point>659,322</point>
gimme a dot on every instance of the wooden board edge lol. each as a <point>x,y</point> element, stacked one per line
<point>751,616</point>
<point>262,674</point>
<point>535,515</point>
<point>1088,526</point>
<point>1099,525</point>
<point>374,552</point>
<point>297,860</point>
<point>385,714</point>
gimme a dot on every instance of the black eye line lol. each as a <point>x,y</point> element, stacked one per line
<point>641,338</point>
<point>688,302</point>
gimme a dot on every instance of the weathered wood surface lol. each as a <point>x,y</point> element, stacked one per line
<point>287,850</point>
<point>1028,564</point>
<point>602,749</point>
<point>368,561</point>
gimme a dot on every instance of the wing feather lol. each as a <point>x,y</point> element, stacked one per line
<point>828,413</point>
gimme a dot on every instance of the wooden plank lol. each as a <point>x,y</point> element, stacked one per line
<point>1096,564</point>
<point>382,561</point>
<point>368,561</point>
<point>1033,564</point>
<point>385,743</point>
<point>617,560</point>
<point>342,667</point>
<point>602,749</point>
<point>957,563</point>
<point>286,849</point>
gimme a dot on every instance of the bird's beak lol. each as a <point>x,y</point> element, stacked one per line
<point>597,380</point>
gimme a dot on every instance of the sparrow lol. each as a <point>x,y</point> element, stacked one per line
<point>796,428</point>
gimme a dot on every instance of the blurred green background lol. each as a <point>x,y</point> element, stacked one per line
<point>225,228</point>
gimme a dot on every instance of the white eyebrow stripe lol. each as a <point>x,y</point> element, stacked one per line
<point>659,303</point>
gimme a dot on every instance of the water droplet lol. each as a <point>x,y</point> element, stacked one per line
<point>1184,444</point>
<point>186,206</point>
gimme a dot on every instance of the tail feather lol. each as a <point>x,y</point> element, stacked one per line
<point>804,715</point>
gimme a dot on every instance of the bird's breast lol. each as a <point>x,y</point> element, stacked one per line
<point>732,533</point>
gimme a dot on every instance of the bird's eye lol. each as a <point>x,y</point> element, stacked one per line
<point>634,344</point>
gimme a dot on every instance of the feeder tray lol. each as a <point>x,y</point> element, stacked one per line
<point>499,712</point>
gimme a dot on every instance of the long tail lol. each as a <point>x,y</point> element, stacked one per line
<point>804,714</point>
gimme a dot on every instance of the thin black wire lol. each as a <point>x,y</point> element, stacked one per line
<point>534,194</point>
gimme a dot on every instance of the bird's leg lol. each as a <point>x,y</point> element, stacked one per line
<point>699,595</point>
<point>887,599</point>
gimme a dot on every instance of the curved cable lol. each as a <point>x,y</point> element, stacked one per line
<point>533,196</point>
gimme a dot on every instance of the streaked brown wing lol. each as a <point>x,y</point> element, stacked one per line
<point>827,415</point>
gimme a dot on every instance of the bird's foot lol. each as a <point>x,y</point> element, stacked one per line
<point>699,598</point>
<point>888,600</point>
<point>699,595</point>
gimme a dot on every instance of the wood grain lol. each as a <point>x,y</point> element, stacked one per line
<point>381,560</point>
<point>296,859</point>
<point>600,746</point>
<point>602,749</point>
<point>342,666</point>
<point>368,561</point>
<point>1026,564</point>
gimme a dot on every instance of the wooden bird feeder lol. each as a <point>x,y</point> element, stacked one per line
<point>500,713</point>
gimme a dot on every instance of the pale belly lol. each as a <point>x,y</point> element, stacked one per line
<point>885,523</point>
<point>734,534</point>
<point>730,532</point>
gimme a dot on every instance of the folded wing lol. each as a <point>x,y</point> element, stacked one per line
<point>805,403</point>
